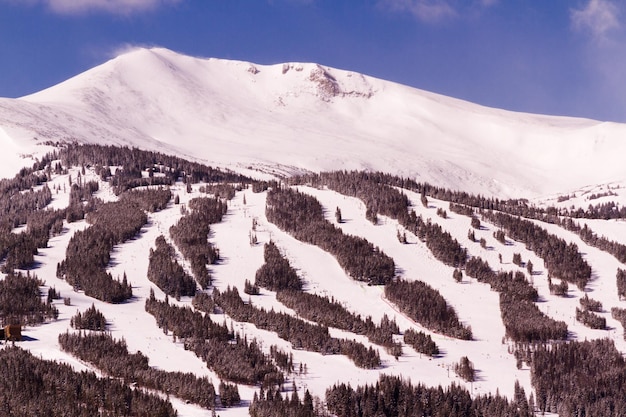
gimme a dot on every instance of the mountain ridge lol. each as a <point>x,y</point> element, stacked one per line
<point>309,117</point>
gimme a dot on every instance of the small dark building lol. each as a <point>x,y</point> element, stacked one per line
<point>13,332</point>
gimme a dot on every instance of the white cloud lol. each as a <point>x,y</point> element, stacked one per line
<point>424,10</point>
<point>120,7</point>
<point>433,11</point>
<point>599,17</point>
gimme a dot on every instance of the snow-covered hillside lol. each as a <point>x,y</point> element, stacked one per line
<point>291,117</point>
<point>267,121</point>
<point>476,304</point>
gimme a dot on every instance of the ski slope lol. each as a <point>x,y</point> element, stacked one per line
<point>283,119</point>
<point>474,302</point>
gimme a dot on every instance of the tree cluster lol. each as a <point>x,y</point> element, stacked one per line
<point>167,273</point>
<point>283,360</point>
<point>33,387</point>
<point>203,302</point>
<point>18,250</point>
<point>18,208</point>
<point>421,342</point>
<point>152,199</point>
<point>523,320</point>
<point>562,260</point>
<point>426,306</point>
<point>301,334</point>
<point>191,235</point>
<point>44,223</point>
<point>590,304</point>
<point>226,191</point>
<point>590,319</point>
<point>620,280</point>
<point>82,200</point>
<point>21,301</point>
<point>392,396</point>
<point>586,314</point>
<point>231,357</point>
<point>112,357</point>
<point>250,288</point>
<point>88,252</point>
<point>16,203</point>
<point>229,394</point>
<point>271,403</point>
<point>559,289</point>
<point>302,216</point>
<point>91,319</point>
<point>441,243</point>
<point>580,378</point>
<point>276,273</point>
<point>465,369</point>
<point>461,209</point>
<point>376,191</point>
<point>619,314</point>
<point>132,163</point>
<point>330,313</point>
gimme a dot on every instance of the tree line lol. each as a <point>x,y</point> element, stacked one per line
<point>377,192</point>
<point>393,396</point>
<point>579,378</point>
<point>278,275</point>
<point>302,216</point>
<point>88,251</point>
<point>111,356</point>
<point>232,357</point>
<point>295,208</point>
<point>271,403</point>
<point>191,236</point>
<point>16,203</point>
<point>330,313</point>
<point>19,207</point>
<point>523,321</point>
<point>617,249</point>
<point>167,273</point>
<point>514,206</point>
<point>301,334</point>
<point>426,306</point>
<point>133,162</point>
<point>91,319</point>
<point>30,386</point>
<point>21,301</point>
<point>562,260</point>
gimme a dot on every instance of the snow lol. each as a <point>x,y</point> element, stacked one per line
<point>474,302</point>
<point>311,117</point>
<point>278,120</point>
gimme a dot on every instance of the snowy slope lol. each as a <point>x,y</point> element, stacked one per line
<point>476,304</point>
<point>288,118</point>
<point>291,117</point>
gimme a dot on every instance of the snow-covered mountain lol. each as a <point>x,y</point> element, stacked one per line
<point>291,117</point>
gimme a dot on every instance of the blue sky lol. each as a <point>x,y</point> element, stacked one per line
<point>562,57</point>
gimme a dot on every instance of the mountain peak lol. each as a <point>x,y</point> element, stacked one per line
<point>290,117</point>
